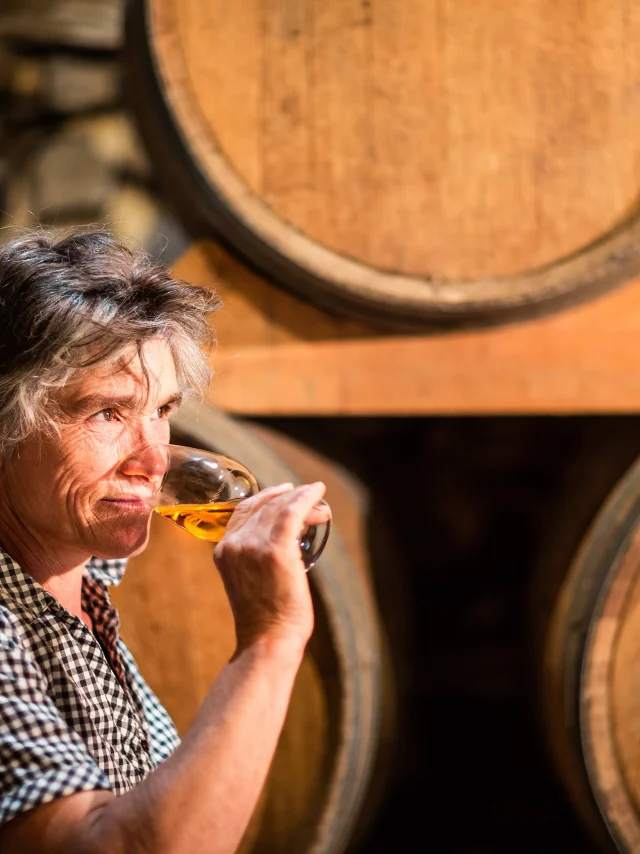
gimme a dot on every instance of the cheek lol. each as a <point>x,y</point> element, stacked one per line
<point>71,494</point>
<point>79,475</point>
<point>163,431</point>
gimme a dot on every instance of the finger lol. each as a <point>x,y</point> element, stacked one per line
<point>319,514</point>
<point>306,495</point>
<point>278,508</point>
<point>265,495</point>
<point>289,513</point>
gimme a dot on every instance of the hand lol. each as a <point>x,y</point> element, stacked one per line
<point>261,565</point>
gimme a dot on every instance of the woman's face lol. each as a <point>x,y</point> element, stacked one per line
<point>80,494</point>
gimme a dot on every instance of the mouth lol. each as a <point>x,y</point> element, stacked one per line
<point>130,503</point>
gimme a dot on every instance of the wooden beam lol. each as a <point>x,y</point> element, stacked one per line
<point>278,355</point>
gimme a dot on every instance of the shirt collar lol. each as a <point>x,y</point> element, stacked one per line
<point>32,597</point>
<point>110,572</point>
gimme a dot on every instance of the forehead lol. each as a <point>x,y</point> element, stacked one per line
<point>145,377</point>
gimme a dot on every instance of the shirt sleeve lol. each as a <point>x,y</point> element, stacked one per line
<point>41,758</point>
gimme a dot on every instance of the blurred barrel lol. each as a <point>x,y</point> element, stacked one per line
<point>326,773</point>
<point>586,597</point>
<point>415,162</point>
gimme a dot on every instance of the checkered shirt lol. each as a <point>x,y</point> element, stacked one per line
<point>75,712</point>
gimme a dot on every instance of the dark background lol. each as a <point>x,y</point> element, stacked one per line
<point>460,534</point>
<point>465,512</point>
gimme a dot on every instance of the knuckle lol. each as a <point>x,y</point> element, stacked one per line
<point>249,548</point>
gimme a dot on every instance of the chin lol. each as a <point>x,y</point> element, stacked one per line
<point>127,542</point>
<point>119,551</point>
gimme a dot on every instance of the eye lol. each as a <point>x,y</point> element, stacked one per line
<point>166,410</point>
<point>108,415</point>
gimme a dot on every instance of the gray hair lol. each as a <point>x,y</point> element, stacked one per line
<point>70,302</point>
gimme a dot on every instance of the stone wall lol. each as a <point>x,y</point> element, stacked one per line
<point>69,151</point>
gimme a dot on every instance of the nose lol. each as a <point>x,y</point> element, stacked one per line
<point>150,462</point>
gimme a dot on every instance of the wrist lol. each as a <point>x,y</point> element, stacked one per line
<point>277,646</point>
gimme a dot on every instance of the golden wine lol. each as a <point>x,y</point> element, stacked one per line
<point>204,521</point>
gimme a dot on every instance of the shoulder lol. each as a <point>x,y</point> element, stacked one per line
<point>18,664</point>
<point>12,627</point>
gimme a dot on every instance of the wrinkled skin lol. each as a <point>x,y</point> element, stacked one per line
<point>57,494</point>
<point>61,499</point>
<point>57,508</point>
<point>261,565</point>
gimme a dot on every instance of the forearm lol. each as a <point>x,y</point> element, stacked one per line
<point>202,797</point>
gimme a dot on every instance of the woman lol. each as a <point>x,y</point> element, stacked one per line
<point>98,346</point>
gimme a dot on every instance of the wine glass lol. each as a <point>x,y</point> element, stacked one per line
<point>200,489</point>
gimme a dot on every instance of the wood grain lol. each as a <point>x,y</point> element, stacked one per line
<point>587,693</point>
<point>430,138</point>
<point>178,623</point>
<point>625,696</point>
<point>279,355</point>
<point>607,728</point>
<point>423,162</point>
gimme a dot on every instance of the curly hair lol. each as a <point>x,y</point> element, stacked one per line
<point>68,302</point>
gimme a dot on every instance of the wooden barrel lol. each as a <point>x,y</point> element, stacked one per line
<point>329,764</point>
<point>586,596</point>
<point>418,162</point>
